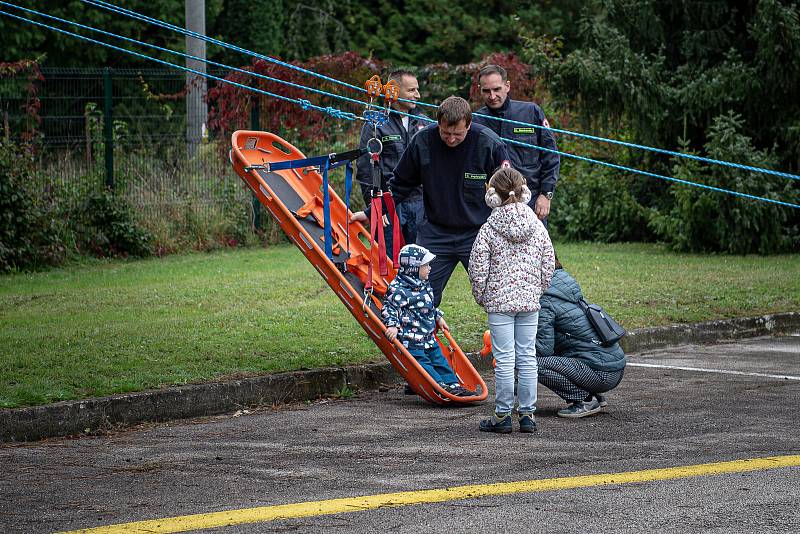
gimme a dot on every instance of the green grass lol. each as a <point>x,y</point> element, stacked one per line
<point>109,327</point>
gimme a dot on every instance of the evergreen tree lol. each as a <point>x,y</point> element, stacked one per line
<point>258,30</point>
<point>720,78</point>
<point>20,40</point>
<point>667,69</point>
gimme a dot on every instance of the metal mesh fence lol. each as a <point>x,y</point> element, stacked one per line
<point>142,150</point>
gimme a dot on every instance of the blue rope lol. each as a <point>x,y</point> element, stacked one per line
<point>157,22</point>
<point>654,175</point>
<point>303,103</point>
<point>133,14</point>
<point>651,149</point>
<point>637,171</point>
<point>189,56</point>
<point>184,31</point>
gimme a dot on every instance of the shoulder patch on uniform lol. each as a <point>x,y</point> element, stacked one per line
<point>524,130</point>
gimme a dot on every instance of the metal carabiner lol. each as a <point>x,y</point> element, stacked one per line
<point>370,144</point>
<point>367,295</point>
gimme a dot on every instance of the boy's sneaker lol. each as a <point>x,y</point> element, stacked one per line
<point>601,399</point>
<point>581,409</point>
<point>450,388</point>
<point>499,424</point>
<point>459,391</point>
<point>466,392</point>
<point>526,422</point>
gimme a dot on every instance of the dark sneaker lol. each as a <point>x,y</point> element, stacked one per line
<point>459,391</point>
<point>499,424</point>
<point>601,399</point>
<point>580,409</point>
<point>526,422</point>
<point>448,387</point>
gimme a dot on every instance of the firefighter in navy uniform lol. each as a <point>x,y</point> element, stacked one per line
<point>539,167</point>
<point>395,134</point>
<point>452,160</point>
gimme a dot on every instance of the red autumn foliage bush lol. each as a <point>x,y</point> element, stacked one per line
<point>230,106</point>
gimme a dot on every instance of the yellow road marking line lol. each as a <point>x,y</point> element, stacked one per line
<point>407,498</point>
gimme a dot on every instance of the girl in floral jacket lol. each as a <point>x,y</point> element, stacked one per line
<point>511,265</point>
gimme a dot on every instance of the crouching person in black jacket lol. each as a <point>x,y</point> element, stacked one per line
<point>571,362</point>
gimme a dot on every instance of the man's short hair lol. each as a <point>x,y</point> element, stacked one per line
<point>453,110</point>
<point>398,74</point>
<point>493,69</point>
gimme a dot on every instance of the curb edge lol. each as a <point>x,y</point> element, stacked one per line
<point>99,415</point>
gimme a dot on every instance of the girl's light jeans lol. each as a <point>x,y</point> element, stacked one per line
<point>514,345</point>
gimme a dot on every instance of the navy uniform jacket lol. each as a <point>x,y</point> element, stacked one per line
<point>395,139</point>
<point>539,167</point>
<point>453,179</point>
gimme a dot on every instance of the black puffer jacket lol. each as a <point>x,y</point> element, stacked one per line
<point>565,331</point>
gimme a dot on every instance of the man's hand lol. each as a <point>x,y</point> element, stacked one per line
<point>442,324</point>
<point>361,217</point>
<point>391,333</point>
<point>542,208</point>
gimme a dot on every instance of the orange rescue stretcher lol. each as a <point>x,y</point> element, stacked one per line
<point>294,198</point>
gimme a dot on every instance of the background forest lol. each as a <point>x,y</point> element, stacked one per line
<point>718,78</point>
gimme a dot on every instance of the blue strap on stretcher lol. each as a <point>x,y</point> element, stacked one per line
<point>348,188</point>
<point>324,163</point>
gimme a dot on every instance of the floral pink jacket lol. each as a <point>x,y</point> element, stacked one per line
<point>512,261</point>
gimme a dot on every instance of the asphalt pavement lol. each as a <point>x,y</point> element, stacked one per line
<point>696,438</point>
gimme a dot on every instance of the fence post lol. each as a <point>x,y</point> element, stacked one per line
<point>255,125</point>
<point>108,126</point>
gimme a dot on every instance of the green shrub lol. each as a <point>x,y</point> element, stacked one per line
<point>595,203</point>
<point>703,220</point>
<point>29,235</point>
<point>106,227</point>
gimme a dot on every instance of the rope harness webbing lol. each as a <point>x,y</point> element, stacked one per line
<point>398,241</point>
